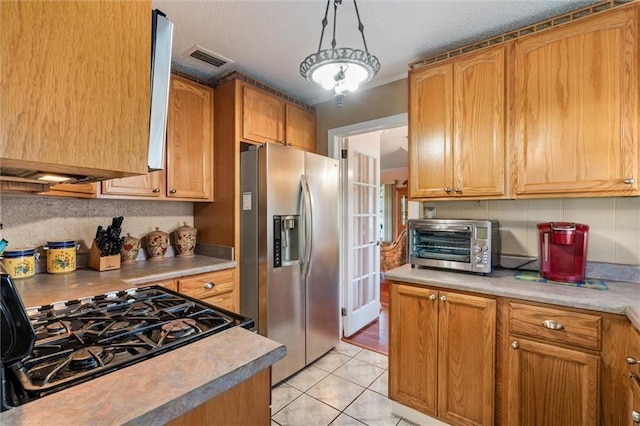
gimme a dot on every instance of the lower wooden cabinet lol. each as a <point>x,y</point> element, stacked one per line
<point>218,288</point>
<point>550,385</point>
<point>244,404</point>
<point>442,353</point>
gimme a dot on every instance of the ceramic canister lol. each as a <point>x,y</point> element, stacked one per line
<point>20,263</point>
<point>185,238</point>
<point>61,256</point>
<point>130,249</point>
<point>157,244</point>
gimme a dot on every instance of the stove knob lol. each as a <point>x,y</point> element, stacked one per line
<point>478,259</point>
<point>477,249</point>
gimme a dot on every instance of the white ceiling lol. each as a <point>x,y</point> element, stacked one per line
<point>267,39</point>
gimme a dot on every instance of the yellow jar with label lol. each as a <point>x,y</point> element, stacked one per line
<point>61,256</point>
<point>20,263</point>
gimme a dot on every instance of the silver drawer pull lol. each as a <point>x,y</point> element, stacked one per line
<point>209,286</point>
<point>635,416</point>
<point>432,297</point>
<point>552,325</point>
<point>631,361</point>
<point>515,345</point>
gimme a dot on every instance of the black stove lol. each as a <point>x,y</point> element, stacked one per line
<point>79,340</point>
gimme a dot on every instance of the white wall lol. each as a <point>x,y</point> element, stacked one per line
<point>614,234</point>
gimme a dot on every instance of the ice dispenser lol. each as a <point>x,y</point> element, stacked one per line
<point>286,240</point>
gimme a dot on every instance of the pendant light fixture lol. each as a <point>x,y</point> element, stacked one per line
<point>342,69</point>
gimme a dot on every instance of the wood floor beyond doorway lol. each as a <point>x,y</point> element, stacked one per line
<point>375,336</point>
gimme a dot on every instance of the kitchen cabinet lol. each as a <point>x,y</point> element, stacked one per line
<point>576,97</point>
<point>268,118</point>
<point>442,353</point>
<point>244,404</point>
<point>553,362</point>
<point>457,127</point>
<point>217,288</point>
<point>633,363</point>
<point>75,94</point>
<point>76,190</point>
<point>188,175</point>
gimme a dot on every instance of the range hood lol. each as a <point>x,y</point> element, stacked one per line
<point>39,175</point>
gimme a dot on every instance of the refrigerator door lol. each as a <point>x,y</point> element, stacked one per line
<point>322,274</point>
<point>280,170</point>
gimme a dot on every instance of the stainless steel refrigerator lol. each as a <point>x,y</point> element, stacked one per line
<point>289,256</point>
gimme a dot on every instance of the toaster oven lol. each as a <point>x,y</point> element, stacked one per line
<point>458,244</point>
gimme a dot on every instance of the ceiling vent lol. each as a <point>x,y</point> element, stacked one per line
<point>204,55</point>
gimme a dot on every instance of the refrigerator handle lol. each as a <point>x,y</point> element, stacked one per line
<point>308,218</point>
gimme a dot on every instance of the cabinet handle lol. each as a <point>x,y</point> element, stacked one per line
<point>515,345</point>
<point>156,190</point>
<point>634,378</point>
<point>629,181</point>
<point>635,416</point>
<point>209,285</point>
<point>458,190</point>
<point>552,325</point>
<point>432,297</point>
<point>631,361</point>
<point>173,191</point>
<point>447,190</point>
<point>443,298</point>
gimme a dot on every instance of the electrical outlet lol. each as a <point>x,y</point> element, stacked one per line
<point>429,212</point>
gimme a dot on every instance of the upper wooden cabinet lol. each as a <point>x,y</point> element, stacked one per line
<point>189,140</point>
<point>75,92</point>
<point>442,353</point>
<point>268,118</point>
<point>301,128</point>
<point>457,127</point>
<point>188,175</point>
<point>576,108</point>
<point>263,116</point>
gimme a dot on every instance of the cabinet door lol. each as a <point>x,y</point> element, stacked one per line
<point>413,342</point>
<point>76,190</point>
<point>466,359</point>
<point>149,185</point>
<point>74,81</point>
<point>634,401</point>
<point>479,124</point>
<point>549,385</point>
<point>430,115</point>
<point>263,116</point>
<point>576,108</point>
<point>301,128</point>
<point>189,140</point>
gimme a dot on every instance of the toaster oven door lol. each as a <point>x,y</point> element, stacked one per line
<point>444,246</point>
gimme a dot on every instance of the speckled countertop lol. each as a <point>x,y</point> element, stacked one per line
<point>156,390</point>
<point>621,298</point>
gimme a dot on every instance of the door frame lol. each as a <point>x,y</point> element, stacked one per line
<point>334,150</point>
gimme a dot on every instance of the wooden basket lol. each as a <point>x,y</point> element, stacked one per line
<point>102,263</point>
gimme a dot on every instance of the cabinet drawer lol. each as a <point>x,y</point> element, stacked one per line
<point>167,284</point>
<point>224,301</point>
<point>556,325</point>
<point>207,285</point>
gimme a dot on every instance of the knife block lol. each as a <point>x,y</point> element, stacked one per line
<point>102,263</point>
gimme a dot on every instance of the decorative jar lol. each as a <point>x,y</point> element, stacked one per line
<point>61,256</point>
<point>185,238</point>
<point>20,263</point>
<point>157,244</point>
<point>130,249</point>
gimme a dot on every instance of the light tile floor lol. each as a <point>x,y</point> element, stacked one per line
<point>347,386</point>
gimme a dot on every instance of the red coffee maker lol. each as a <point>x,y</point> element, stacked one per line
<point>563,251</point>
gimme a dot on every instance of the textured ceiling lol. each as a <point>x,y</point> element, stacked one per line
<point>268,39</point>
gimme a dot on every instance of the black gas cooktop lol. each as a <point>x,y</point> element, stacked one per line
<point>79,340</point>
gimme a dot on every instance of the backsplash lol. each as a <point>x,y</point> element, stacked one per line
<point>32,221</point>
<point>614,234</point>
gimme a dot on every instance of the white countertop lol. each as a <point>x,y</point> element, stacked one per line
<point>621,297</point>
